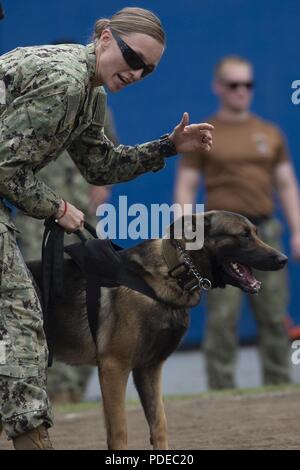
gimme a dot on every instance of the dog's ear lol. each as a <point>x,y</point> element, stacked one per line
<point>207,222</point>
<point>185,224</point>
<point>188,228</point>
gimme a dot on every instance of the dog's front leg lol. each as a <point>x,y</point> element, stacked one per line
<point>148,384</point>
<point>113,376</point>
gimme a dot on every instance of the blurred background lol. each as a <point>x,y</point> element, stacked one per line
<point>199,33</point>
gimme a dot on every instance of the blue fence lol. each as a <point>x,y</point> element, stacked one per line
<point>199,33</point>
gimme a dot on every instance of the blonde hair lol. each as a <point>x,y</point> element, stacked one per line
<point>228,60</point>
<point>132,20</point>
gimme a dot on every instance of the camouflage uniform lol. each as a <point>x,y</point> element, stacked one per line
<point>65,382</point>
<point>63,176</point>
<point>23,353</point>
<point>47,105</point>
<point>269,307</point>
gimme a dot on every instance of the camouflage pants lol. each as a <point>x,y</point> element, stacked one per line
<point>64,381</point>
<point>269,308</point>
<point>67,383</point>
<point>24,403</point>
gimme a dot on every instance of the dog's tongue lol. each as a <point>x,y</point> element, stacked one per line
<point>247,273</point>
<point>248,276</point>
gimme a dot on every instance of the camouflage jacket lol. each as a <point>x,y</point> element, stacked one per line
<point>48,105</point>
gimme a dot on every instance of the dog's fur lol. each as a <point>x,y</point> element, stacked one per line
<point>137,333</point>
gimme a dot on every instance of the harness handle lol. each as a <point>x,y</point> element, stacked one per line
<point>52,269</point>
<point>89,228</point>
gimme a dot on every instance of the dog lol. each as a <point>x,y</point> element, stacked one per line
<point>137,333</point>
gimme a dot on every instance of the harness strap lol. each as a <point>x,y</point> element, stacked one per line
<point>52,274</point>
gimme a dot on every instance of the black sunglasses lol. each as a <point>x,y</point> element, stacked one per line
<point>235,85</point>
<point>131,57</point>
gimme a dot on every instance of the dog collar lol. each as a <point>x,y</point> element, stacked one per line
<point>186,274</point>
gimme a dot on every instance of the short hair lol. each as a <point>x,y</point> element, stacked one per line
<point>230,59</point>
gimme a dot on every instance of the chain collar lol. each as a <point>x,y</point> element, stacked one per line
<point>203,282</point>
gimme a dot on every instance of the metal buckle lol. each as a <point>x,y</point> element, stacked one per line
<point>205,283</point>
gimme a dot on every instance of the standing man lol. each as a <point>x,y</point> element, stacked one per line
<point>248,161</point>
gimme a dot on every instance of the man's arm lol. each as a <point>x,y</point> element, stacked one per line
<point>187,184</point>
<point>288,191</point>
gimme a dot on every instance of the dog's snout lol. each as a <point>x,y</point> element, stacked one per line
<point>281,259</point>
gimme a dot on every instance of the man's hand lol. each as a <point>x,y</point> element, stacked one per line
<point>193,137</point>
<point>295,246</point>
<point>73,218</point>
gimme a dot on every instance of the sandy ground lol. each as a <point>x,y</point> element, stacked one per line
<point>252,421</point>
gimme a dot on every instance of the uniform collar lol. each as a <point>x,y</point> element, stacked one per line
<point>91,61</point>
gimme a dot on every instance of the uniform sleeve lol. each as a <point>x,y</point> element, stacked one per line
<point>26,131</point>
<point>101,163</point>
<point>282,153</point>
<point>110,128</point>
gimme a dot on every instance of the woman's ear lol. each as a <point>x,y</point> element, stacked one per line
<point>106,37</point>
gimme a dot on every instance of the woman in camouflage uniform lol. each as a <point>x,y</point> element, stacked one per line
<point>65,383</point>
<point>52,99</point>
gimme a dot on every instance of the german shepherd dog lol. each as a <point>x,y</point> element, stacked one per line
<point>137,333</point>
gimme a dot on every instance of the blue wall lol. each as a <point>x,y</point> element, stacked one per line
<point>199,33</point>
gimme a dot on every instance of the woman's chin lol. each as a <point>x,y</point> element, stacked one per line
<point>113,85</point>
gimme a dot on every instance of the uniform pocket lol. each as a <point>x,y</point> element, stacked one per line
<point>99,109</point>
<point>20,372</point>
<point>21,328</point>
<point>13,270</point>
<point>73,104</point>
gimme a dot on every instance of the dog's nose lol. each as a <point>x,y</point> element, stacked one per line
<point>281,260</point>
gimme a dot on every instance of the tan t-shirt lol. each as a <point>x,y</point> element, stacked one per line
<point>238,171</point>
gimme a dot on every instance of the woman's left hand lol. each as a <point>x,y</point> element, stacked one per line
<point>191,137</point>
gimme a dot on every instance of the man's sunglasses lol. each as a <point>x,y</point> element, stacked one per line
<point>235,85</point>
<point>131,57</point>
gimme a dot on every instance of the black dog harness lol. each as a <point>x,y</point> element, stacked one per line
<point>103,264</point>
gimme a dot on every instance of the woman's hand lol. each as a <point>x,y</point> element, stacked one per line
<point>193,137</point>
<point>72,219</point>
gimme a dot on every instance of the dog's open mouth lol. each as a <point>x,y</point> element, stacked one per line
<point>243,276</point>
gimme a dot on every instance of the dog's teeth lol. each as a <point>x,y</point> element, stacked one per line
<point>256,285</point>
<point>236,268</point>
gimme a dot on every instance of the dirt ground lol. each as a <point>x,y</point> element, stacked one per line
<point>248,421</point>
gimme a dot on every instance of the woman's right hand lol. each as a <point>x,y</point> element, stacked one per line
<point>73,218</point>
